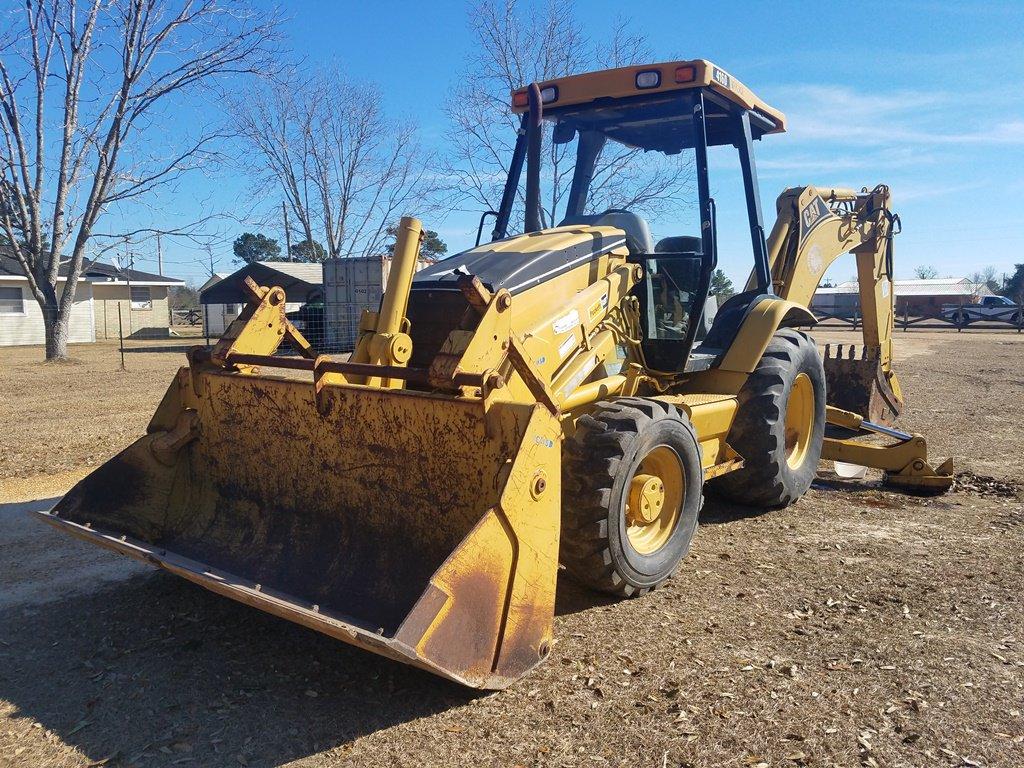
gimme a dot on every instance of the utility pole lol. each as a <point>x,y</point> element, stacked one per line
<point>287,232</point>
<point>206,317</point>
<point>129,257</point>
<point>159,257</point>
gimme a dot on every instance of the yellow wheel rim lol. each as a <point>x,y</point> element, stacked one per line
<point>655,500</point>
<point>799,420</point>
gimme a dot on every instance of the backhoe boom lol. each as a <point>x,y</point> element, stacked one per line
<point>815,226</point>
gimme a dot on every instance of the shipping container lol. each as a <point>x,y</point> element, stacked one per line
<point>350,286</point>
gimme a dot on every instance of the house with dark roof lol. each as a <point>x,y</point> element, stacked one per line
<point>130,299</point>
<point>107,299</point>
<point>217,316</point>
<point>223,297</point>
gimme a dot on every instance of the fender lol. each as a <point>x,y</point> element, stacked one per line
<point>757,330</point>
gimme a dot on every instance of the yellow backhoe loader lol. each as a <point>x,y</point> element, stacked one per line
<point>561,395</point>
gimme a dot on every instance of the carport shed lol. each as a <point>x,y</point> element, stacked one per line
<point>222,299</point>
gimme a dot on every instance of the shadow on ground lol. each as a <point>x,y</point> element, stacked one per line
<point>154,670</point>
<point>151,670</point>
<point>178,347</point>
<point>572,598</point>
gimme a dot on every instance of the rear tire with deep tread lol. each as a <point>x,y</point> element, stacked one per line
<point>758,432</point>
<point>599,465</point>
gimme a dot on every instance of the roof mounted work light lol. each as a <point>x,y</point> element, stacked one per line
<point>649,78</point>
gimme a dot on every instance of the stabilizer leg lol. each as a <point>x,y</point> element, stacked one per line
<point>905,462</point>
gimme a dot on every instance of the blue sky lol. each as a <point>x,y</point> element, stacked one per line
<point>927,97</point>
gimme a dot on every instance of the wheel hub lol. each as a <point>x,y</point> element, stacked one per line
<point>646,499</point>
<point>799,420</point>
<point>654,500</point>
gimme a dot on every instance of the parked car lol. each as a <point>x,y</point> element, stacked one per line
<point>989,307</point>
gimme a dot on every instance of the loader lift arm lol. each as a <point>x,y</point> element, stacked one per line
<point>815,226</point>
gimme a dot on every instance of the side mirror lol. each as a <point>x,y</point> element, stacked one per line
<point>563,133</point>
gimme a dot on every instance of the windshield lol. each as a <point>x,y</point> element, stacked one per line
<point>630,156</point>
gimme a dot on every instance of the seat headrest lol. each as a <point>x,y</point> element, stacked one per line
<point>679,244</point>
<point>638,234</point>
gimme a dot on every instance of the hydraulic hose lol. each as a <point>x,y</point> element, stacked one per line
<point>533,220</point>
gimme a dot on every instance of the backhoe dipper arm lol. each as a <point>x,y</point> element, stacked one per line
<point>815,226</point>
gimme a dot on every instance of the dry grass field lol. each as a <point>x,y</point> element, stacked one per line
<point>859,627</point>
<point>65,418</point>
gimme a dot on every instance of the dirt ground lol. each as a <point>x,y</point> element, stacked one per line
<point>859,627</point>
<point>64,418</point>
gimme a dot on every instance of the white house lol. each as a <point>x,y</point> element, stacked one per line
<point>130,302</point>
<point>21,318</point>
<point>108,301</point>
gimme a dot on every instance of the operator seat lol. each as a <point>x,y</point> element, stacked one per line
<point>638,234</point>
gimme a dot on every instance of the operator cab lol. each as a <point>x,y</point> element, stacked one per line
<point>670,108</point>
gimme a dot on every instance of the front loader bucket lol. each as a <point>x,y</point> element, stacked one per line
<point>423,527</point>
<point>855,381</point>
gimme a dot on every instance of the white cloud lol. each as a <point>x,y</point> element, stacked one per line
<point>914,192</point>
<point>842,115</point>
<point>824,159</point>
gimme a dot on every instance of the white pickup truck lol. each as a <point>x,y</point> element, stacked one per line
<point>987,308</point>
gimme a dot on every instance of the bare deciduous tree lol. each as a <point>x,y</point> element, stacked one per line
<point>987,277</point>
<point>346,170</point>
<point>84,87</point>
<point>517,45</point>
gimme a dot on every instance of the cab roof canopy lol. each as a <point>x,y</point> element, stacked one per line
<point>639,105</point>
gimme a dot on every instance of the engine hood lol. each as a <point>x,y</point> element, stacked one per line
<point>521,262</point>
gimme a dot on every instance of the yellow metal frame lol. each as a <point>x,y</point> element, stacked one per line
<point>817,225</point>
<point>260,328</point>
<point>757,330</point>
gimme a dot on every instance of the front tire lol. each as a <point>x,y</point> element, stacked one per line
<point>779,426</point>
<point>633,489</point>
